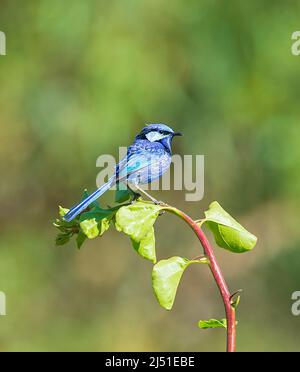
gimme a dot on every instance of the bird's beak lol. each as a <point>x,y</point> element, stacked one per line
<point>177,134</point>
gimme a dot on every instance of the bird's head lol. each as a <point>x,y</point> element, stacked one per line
<point>158,133</point>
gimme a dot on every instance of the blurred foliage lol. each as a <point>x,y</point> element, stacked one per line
<point>79,79</point>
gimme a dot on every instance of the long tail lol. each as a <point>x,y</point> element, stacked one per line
<point>87,201</point>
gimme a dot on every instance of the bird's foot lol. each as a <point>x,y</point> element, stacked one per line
<point>162,204</point>
<point>135,197</point>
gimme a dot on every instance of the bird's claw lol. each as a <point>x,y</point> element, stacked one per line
<point>136,196</point>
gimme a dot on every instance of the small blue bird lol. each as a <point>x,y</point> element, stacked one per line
<point>147,159</point>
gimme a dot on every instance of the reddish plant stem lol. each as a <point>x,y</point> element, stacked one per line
<point>218,276</point>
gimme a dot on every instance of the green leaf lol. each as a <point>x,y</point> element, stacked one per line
<point>235,298</point>
<point>90,228</point>
<point>166,277</point>
<point>62,211</point>
<point>101,221</point>
<point>137,220</point>
<point>62,238</point>
<point>63,225</point>
<point>236,302</point>
<point>59,226</point>
<point>122,194</point>
<point>104,225</point>
<point>80,239</point>
<point>212,323</point>
<point>146,246</point>
<point>228,233</point>
<point>98,214</point>
<point>89,224</point>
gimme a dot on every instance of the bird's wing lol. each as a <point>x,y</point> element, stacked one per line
<point>132,164</point>
<point>139,157</point>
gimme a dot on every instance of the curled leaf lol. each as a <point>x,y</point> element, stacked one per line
<point>90,228</point>
<point>228,233</point>
<point>62,238</point>
<point>104,225</point>
<point>66,229</point>
<point>166,277</point>
<point>96,221</point>
<point>80,239</point>
<point>146,246</point>
<point>212,323</point>
<point>62,211</point>
<point>235,303</point>
<point>235,298</point>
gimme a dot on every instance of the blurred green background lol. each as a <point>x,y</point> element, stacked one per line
<point>80,79</point>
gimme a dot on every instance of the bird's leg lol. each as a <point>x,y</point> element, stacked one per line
<point>135,195</point>
<point>149,196</point>
<point>146,194</point>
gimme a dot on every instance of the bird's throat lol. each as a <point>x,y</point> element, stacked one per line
<point>166,142</point>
